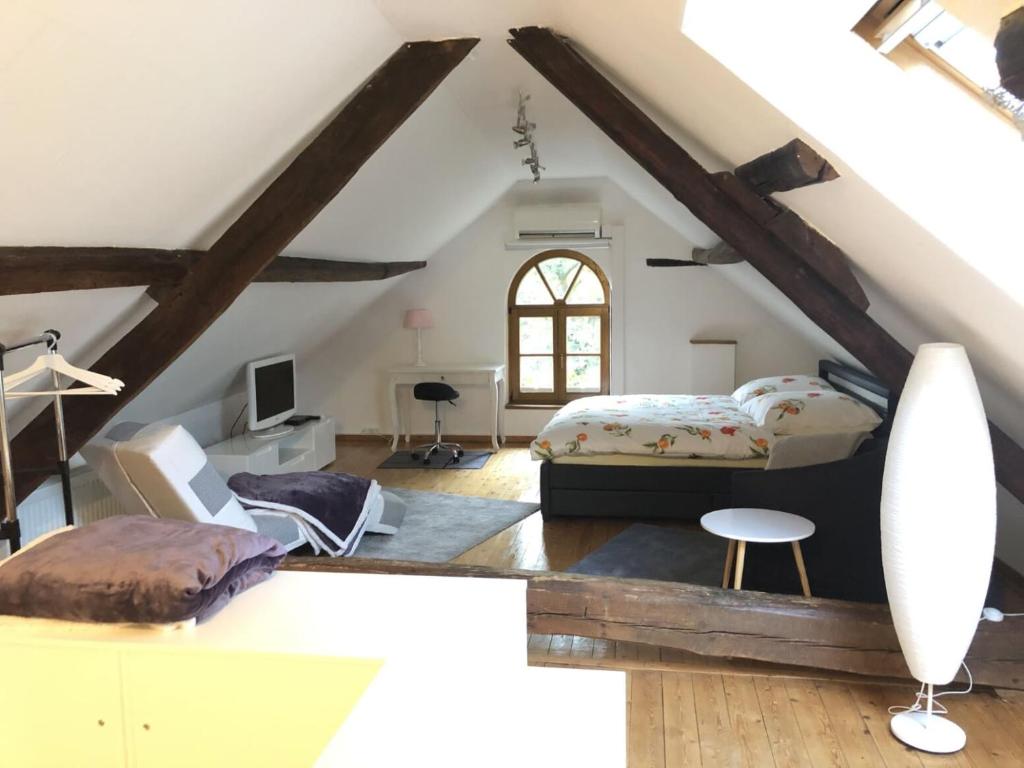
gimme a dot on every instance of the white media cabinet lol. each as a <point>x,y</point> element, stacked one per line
<point>309,447</point>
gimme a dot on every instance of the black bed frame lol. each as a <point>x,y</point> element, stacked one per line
<point>680,493</point>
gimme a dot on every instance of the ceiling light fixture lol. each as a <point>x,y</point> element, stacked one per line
<point>523,129</point>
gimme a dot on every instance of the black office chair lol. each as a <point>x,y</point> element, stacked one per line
<point>438,392</point>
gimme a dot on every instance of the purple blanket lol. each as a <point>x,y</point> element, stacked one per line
<point>132,568</point>
<point>333,499</point>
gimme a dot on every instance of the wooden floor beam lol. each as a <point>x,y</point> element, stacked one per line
<point>781,629</point>
<point>249,245</point>
<point>733,211</point>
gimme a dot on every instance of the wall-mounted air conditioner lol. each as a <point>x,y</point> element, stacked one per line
<point>557,226</point>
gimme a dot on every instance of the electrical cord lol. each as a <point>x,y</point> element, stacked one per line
<point>988,614</point>
<point>231,432</point>
<point>937,708</point>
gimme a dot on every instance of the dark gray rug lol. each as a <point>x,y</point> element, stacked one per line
<point>404,460</point>
<point>666,554</point>
<point>441,526</point>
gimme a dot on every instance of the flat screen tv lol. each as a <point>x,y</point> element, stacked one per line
<point>271,385</point>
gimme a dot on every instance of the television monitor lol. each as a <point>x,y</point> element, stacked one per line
<point>271,385</point>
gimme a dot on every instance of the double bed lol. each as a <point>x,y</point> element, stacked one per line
<point>672,456</point>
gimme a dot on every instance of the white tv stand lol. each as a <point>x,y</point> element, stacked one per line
<point>308,447</point>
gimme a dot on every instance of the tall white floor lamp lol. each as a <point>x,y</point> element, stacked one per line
<point>938,531</point>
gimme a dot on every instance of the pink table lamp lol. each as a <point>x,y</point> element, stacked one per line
<point>418,319</point>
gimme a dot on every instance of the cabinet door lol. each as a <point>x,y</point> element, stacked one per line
<point>216,708</point>
<point>61,706</point>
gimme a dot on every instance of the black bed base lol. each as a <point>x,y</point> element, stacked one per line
<point>675,493</point>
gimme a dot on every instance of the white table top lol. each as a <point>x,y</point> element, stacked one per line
<point>765,526</point>
<point>446,368</point>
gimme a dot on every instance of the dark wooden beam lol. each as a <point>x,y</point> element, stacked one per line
<point>791,166</point>
<point>39,269</point>
<point>673,263</point>
<point>811,247</point>
<point>1010,52</point>
<point>723,253</point>
<point>733,211</point>
<point>248,246</point>
<point>293,269</point>
<point>781,629</point>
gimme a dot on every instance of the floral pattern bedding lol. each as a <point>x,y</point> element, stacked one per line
<point>694,426</point>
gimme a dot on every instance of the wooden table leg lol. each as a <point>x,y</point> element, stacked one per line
<point>741,553</point>
<point>798,555</point>
<point>729,554</point>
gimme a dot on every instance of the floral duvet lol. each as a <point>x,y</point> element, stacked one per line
<point>696,426</point>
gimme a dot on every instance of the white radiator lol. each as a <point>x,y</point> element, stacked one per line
<point>43,510</point>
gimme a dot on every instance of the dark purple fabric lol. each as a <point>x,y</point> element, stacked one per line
<point>333,498</point>
<point>133,568</point>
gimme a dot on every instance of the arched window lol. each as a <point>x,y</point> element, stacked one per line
<point>558,329</point>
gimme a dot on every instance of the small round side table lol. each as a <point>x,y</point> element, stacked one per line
<point>759,526</point>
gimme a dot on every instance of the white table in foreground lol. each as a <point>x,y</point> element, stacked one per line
<point>761,526</point>
<point>490,376</point>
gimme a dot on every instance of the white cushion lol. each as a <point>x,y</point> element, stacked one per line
<point>811,413</point>
<point>101,456</point>
<point>173,475</point>
<point>795,383</point>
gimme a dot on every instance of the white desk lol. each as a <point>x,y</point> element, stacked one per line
<point>490,376</point>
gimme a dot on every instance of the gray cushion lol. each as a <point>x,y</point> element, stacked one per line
<point>211,489</point>
<point>282,529</point>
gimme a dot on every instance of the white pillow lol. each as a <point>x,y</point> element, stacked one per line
<point>794,383</point>
<point>810,413</point>
<point>172,473</point>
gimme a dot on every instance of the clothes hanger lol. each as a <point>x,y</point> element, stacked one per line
<point>97,383</point>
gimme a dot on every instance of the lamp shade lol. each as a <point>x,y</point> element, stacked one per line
<point>938,513</point>
<point>418,318</point>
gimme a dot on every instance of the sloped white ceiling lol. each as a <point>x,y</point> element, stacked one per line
<point>155,124</point>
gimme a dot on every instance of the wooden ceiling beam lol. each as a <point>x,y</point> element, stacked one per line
<point>780,629</point>
<point>733,211</point>
<point>42,269</point>
<point>251,243</point>
<point>791,166</point>
<point>1010,52</point>
<point>39,269</point>
<point>293,269</point>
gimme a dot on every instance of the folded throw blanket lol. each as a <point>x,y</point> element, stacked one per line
<point>331,505</point>
<point>132,568</point>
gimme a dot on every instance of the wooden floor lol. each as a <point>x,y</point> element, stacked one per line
<point>686,710</point>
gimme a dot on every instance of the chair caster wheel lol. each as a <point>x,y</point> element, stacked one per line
<point>426,461</point>
<point>414,456</point>
<point>455,460</point>
<point>459,454</point>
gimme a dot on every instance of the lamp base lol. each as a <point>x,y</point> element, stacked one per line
<point>929,733</point>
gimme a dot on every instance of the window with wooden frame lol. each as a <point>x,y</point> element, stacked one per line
<point>558,329</point>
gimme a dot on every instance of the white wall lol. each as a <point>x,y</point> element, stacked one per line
<point>654,315</point>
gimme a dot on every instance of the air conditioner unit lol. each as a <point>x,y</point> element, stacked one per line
<point>567,226</point>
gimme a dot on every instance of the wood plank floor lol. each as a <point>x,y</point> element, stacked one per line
<point>687,710</point>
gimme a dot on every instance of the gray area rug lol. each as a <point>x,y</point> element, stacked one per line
<point>404,460</point>
<point>666,554</point>
<point>441,526</point>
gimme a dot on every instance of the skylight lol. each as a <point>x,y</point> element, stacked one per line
<point>969,54</point>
